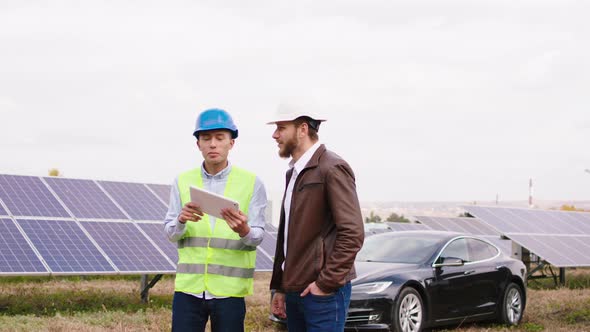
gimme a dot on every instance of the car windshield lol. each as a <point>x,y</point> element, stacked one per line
<point>411,249</point>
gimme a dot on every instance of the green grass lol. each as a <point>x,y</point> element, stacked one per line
<point>532,327</point>
<point>72,301</point>
<point>575,279</point>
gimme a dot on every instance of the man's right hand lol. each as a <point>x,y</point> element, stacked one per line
<point>190,212</point>
<point>278,305</point>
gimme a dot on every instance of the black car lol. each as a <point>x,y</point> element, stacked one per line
<point>411,280</point>
<point>407,281</point>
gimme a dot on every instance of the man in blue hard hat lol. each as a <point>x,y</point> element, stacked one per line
<point>216,257</point>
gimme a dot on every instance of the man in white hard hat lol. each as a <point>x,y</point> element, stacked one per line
<point>320,231</point>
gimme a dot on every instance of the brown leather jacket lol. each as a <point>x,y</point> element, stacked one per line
<point>325,229</point>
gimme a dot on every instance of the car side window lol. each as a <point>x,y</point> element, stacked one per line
<point>457,249</point>
<point>480,250</point>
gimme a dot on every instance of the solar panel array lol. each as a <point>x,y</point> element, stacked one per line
<point>472,226</point>
<point>559,237</point>
<point>58,226</point>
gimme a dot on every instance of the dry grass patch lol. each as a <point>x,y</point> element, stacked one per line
<point>113,304</point>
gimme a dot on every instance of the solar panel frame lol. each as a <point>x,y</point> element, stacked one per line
<point>74,254</point>
<point>3,211</point>
<point>85,199</point>
<point>28,196</point>
<point>130,250</point>
<point>17,256</point>
<point>135,199</point>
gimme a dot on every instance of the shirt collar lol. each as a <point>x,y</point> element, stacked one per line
<point>223,174</point>
<point>300,164</point>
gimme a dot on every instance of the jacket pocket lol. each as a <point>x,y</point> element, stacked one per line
<point>310,185</point>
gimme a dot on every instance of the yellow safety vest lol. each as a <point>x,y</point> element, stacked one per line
<point>216,261</point>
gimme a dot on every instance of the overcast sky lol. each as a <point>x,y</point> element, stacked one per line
<point>427,100</point>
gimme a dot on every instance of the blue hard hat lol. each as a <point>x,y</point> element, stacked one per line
<point>215,118</point>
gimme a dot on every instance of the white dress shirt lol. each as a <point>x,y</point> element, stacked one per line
<point>297,167</point>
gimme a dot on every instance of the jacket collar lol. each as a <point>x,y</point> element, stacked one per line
<point>315,158</point>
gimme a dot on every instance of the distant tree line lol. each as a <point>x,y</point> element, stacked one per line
<point>393,217</point>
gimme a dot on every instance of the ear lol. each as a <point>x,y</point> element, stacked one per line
<point>231,143</point>
<point>198,145</point>
<point>304,129</point>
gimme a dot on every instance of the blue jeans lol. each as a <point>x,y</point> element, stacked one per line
<point>314,313</point>
<point>190,313</point>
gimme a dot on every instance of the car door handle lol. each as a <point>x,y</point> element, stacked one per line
<point>469,272</point>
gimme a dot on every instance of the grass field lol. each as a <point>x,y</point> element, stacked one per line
<point>113,304</point>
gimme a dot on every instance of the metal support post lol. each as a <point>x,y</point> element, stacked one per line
<point>145,286</point>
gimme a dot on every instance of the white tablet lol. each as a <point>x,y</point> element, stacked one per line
<point>212,203</point>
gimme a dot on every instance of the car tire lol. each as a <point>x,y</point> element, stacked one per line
<point>512,305</point>
<point>408,313</point>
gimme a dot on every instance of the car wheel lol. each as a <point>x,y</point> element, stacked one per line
<point>408,314</point>
<point>512,305</point>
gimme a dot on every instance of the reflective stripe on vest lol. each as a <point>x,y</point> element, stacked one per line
<point>214,243</point>
<point>216,269</point>
<point>216,261</point>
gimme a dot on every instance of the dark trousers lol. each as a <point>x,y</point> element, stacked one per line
<point>190,313</point>
<point>318,313</point>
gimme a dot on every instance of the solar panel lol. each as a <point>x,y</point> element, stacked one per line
<point>156,233</point>
<point>471,226</point>
<point>559,237</point>
<point>64,247</point>
<point>2,211</point>
<point>559,250</point>
<point>136,199</point>
<point>503,244</point>
<point>162,191</point>
<point>269,244</point>
<point>16,255</point>
<point>263,262</point>
<point>529,221</point>
<point>28,196</point>
<point>270,228</point>
<point>405,226</point>
<point>85,199</point>
<point>127,247</point>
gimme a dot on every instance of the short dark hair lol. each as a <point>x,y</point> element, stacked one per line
<point>313,125</point>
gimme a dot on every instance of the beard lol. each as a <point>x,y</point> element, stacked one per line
<point>288,147</point>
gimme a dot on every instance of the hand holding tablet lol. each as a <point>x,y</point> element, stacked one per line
<point>211,203</point>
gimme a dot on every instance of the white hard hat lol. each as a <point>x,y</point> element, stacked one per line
<point>289,111</point>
